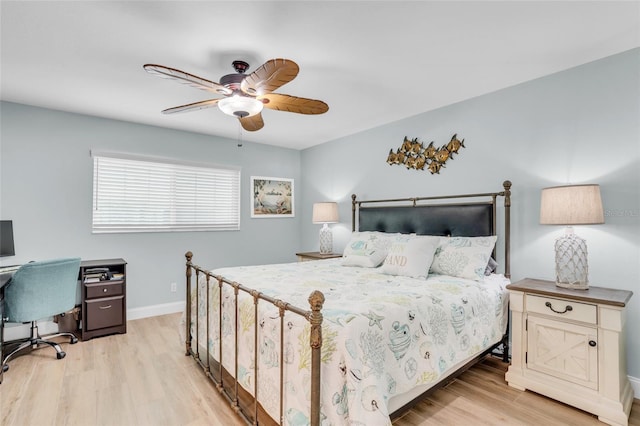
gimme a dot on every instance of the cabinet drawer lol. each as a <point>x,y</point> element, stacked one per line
<point>104,289</point>
<point>562,308</point>
<point>105,312</point>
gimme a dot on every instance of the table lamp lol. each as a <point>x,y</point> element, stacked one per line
<point>325,213</point>
<point>571,205</point>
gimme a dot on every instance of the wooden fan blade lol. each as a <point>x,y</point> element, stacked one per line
<point>186,78</point>
<point>253,123</point>
<point>192,107</point>
<point>290,103</point>
<point>268,77</point>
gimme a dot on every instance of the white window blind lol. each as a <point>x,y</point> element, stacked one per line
<point>139,195</point>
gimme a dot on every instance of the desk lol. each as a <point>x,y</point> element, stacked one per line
<point>4,279</point>
<point>103,303</point>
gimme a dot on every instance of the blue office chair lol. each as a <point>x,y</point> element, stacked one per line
<point>40,290</point>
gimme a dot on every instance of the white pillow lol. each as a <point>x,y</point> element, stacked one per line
<point>367,249</point>
<point>411,257</point>
<point>463,257</point>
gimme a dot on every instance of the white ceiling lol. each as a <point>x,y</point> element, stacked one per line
<point>372,62</point>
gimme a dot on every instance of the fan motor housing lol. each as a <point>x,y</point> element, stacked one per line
<point>232,81</point>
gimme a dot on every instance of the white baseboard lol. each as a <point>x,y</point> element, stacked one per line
<point>155,310</point>
<point>635,384</point>
<point>20,331</point>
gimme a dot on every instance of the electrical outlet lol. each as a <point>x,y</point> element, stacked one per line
<point>174,287</point>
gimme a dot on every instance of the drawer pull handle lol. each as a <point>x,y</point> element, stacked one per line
<point>104,290</point>
<point>567,308</point>
<point>105,307</point>
<point>592,343</point>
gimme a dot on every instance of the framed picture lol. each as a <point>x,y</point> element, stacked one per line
<point>271,197</point>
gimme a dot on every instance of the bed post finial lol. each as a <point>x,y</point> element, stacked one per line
<point>353,212</point>
<point>507,193</point>
<point>189,256</point>
<point>316,300</point>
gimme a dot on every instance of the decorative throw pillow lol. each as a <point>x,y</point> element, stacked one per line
<point>367,249</point>
<point>491,266</point>
<point>463,257</point>
<point>411,257</point>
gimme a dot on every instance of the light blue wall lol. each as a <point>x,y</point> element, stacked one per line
<point>578,126</point>
<point>46,182</point>
<point>581,125</point>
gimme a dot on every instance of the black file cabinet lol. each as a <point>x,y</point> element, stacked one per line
<point>103,286</point>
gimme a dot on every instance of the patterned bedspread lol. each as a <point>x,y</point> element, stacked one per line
<point>382,335</point>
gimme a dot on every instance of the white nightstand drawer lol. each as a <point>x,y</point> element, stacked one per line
<point>562,308</point>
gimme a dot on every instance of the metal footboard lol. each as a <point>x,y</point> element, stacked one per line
<point>314,316</point>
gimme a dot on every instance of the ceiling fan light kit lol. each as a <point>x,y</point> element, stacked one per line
<point>240,106</point>
<point>245,95</point>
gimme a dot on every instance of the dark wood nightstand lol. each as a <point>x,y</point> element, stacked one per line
<point>316,255</point>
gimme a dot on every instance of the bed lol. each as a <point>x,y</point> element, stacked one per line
<point>373,336</point>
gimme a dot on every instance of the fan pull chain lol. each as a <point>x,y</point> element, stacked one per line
<point>239,135</point>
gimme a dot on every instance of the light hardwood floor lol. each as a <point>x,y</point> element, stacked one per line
<point>143,378</point>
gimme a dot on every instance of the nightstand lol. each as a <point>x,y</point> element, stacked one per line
<point>570,345</point>
<point>316,255</point>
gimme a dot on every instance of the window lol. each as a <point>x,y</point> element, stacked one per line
<point>137,194</point>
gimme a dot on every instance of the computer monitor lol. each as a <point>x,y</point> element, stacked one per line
<point>6,238</point>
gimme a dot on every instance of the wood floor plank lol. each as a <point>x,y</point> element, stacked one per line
<point>12,397</point>
<point>115,406</point>
<point>41,402</point>
<point>468,404</point>
<point>77,399</point>
<point>143,378</point>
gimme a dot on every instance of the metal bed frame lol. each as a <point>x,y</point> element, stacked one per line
<point>444,219</point>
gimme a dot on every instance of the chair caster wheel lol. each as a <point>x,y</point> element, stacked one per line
<point>61,355</point>
<point>74,340</point>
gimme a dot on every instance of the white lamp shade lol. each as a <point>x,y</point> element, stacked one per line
<point>571,205</point>
<point>325,212</point>
<point>240,106</point>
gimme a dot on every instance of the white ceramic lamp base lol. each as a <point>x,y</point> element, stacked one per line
<point>571,261</point>
<point>326,240</point>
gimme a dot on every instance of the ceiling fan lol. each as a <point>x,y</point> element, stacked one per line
<point>245,95</point>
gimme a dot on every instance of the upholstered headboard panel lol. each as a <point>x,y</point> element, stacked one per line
<point>476,218</point>
<point>468,220</point>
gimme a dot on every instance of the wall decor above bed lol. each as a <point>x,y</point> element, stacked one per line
<point>413,154</point>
